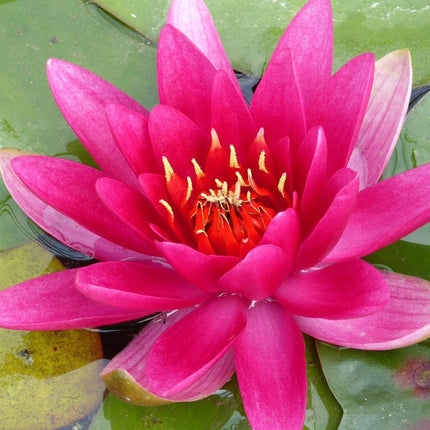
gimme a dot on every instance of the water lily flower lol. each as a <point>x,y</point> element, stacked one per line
<point>244,225</point>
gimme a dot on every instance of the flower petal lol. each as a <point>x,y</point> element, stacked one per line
<point>52,302</point>
<point>60,225</point>
<point>385,212</point>
<point>130,130</point>
<point>310,38</point>
<point>82,97</point>
<point>230,116</point>
<point>180,142</point>
<point>185,76</point>
<point>192,346</point>
<point>259,273</point>
<point>277,105</point>
<point>348,289</point>
<point>200,269</point>
<point>340,106</point>
<point>193,18</point>
<point>405,320</point>
<point>69,187</point>
<point>125,374</point>
<point>271,369</point>
<point>384,116</point>
<point>150,286</point>
<point>340,195</point>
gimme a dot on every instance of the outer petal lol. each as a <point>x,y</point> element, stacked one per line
<point>200,269</point>
<point>310,37</point>
<point>52,302</point>
<point>150,286</point>
<point>82,97</point>
<point>340,196</point>
<point>271,369</point>
<point>56,223</point>
<point>404,321</point>
<point>130,130</point>
<point>125,374</point>
<point>343,101</point>
<point>191,347</point>
<point>177,138</point>
<point>384,116</point>
<point>277,104</point>
<point>259,273</point>
<point>385,212</point>
<point>185,76</point>
<point>69,187</point>
<point>348,289</point>
<point>193,18</point>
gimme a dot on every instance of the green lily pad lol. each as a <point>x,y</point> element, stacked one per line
<point>47,379</point>
<point>250,31</point>
<point>76,31</point>
<point>380,389</point>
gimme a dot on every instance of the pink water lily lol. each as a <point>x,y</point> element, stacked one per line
<point>244,225</point>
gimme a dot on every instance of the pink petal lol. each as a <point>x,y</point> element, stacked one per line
<point>343,101</point>
<point>348,289</point>
<point>340,195</point>
<point>259,273</point>
<point>230,116</point>
<point>405,320</point>
<point>310,38</point>
<point>130,130</point>
<point>57,224</point>
<point>179,142</point>
<point>52,302</point>
<point>148,285</point>
<point>384,116</point>
<point>130,205</point>
<point>193,18</point>
<point>130,364</point>
<point>385,212</point>
<point>82,97</point>
<point>192,346</point>
<point>198,268</point>
<point>185,77</point>
<point>271,369</point>
<point>277,105</point>
<point>69,187</point>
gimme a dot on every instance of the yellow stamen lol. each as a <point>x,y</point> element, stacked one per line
<point>262,162</point>
<point>281,183</point>
<point>233,158</point>
<point>241,180</point>
<point>197,168</point>
<point>168,207</point>
<point>189,190</point>
<point>168,169</point>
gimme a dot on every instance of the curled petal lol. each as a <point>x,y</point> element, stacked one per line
<point>271,369</point>
<point>52,302</point>
<point>348,289</point>
<point>148,286</point>
<point>82,97</point>
<point>405,320</point>
<point>385,212</point>
<point>192,346</point>
<point>62,226</point>
<point>384,116</point>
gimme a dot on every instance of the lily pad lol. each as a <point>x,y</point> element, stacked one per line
<point>250,31</point>
<point>47,379</point>
<point>76,31</point>
<point>380,390</point>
